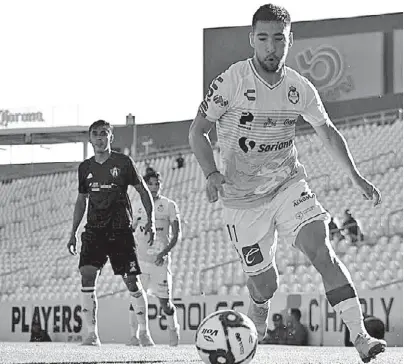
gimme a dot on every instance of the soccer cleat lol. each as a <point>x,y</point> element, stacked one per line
<point>368,347</point>
<point>91,340</point>
<point>174,335</point>
<point>258,315</point>
<point>145,338</point>
<point>134,341</point>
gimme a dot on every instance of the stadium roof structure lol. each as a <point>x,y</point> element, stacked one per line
<point>48,135</point>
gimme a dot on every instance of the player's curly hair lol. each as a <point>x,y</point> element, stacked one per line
<point>271,12</point>
<point>100,123</point>
<point>153,174</point>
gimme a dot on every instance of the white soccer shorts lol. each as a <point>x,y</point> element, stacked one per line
<point>254,232</point>
<point>156,280</point>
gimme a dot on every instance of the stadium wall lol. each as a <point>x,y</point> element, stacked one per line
<point>63,320</point>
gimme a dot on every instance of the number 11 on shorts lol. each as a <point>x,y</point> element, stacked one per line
<point>232,232</point>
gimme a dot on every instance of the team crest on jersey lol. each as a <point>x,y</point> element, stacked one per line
<point>114,172</point>
<point>160,208</point>
<point>293,95</point>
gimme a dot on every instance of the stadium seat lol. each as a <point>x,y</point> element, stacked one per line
<point>37,217</point>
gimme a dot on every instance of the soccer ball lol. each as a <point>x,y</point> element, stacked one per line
<point>226,337</point>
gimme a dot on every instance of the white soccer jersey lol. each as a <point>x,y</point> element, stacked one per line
<point>256,130</point>
<point>166,211</point>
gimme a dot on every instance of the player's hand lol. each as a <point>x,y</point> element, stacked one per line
<point>160,258</point>
<point>150,228</point>
<point>72,245</point>
<point>214,186</point>
<point>369,191</point>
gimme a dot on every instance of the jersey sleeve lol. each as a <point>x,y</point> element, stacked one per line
<point>133,173</point>
<point>314,111</point>
<point>219,97</point>
<point>174,212</point>
<point>82,178</point>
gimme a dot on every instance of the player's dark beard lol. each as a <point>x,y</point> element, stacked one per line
<point>277,65</point>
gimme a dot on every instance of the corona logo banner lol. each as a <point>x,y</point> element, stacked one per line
<point>7,117</point>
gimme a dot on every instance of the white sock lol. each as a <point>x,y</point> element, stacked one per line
<point>89,308</point>
<point>132,321</point>
<point>139,301</point>
<point>351,313</point>
<point>172,320</point>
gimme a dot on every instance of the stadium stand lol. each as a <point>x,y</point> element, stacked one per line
<point>36,220</point>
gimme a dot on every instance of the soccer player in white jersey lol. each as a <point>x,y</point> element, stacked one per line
<point>155,260</point>
<point>255,104</point>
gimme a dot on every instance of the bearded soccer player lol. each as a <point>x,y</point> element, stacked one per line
<point>103,185</point>
<point>255,104</point>
<point>155,260</point>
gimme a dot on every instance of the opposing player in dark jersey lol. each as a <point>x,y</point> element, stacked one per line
<point>103,185</point>
<point>255,104</point>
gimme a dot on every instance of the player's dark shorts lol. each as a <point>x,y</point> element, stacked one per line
<point>97,245</point>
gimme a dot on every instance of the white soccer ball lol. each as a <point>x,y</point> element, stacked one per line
<point>226,337</point>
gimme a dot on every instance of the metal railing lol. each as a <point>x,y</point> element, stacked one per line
<point>385,285</point>
<point>57,261</point>
<point>2,280</point>
<point>202,281</point>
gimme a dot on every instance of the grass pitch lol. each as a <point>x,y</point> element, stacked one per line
<point>119,353</point>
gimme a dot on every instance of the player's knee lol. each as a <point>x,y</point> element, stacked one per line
<point>262,287</point>
<point>167,306</point>
<point>89,275</point>
<point>269,289</point>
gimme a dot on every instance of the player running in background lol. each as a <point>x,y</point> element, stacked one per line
<point>155,260</point>
<point>103,185</point>
<point>255,104</point>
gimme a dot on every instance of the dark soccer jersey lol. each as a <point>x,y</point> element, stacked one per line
<point>107,185</point>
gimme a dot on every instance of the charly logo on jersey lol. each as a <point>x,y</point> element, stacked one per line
<point>246,119</point>
<point>293,95</point>
<point>250,95</point>
<point>114,172</point>
<point>289,122</point>
<point>269,123</point>
<point>248,145</point>
<point>252,255</point>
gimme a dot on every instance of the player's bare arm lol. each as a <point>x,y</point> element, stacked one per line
<point>202,148</point>
<point>79,210</point>
<point>200,144</point>
<point>337,146</point>
<point>147,201</point>
<point>176,235</point>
